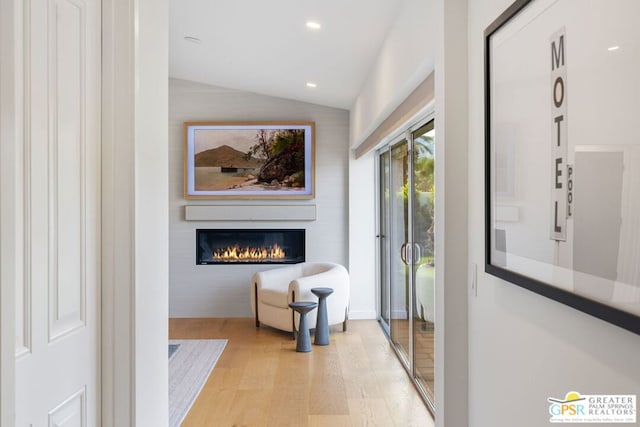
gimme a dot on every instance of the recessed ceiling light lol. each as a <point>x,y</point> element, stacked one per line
<point>613,48</point>
<point>312,85</point>
<point>192,39</point>
<point>313,25</point>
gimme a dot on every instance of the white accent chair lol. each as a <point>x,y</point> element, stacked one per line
<point>273,290</point>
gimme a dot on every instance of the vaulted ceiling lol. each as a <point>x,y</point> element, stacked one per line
<point>265,46</point>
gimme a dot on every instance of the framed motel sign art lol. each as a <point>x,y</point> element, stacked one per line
<point>562,155</point>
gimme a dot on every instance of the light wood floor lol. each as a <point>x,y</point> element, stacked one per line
<point>260,380</point>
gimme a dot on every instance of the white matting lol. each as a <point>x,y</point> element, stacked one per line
<point>189,368</point>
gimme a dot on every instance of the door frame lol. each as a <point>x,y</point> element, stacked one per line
<point>379,178</point>
<point>405,131</point>
<point>135,287</point>
<point>404,134</point>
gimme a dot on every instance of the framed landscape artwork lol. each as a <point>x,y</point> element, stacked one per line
<point>562,154</point>
<point>249,160</point>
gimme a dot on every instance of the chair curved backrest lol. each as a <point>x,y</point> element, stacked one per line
<point>273,290</point>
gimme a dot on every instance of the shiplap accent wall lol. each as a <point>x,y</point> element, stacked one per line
<point>223,290</point>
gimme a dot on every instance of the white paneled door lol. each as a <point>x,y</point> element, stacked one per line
<point>57,297</point>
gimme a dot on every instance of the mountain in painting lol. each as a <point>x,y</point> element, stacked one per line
<point>225,156</point>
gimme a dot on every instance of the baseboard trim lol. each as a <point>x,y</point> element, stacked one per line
<point>362,315</point>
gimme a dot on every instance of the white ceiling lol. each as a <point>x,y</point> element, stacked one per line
<point>264,46</point>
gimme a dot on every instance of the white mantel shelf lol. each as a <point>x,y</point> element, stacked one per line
<point>250,213</point>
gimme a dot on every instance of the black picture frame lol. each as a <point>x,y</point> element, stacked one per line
<point>501,183</point>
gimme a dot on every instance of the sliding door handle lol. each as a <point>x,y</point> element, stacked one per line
<point>403,253</point>
<point>418,254</point>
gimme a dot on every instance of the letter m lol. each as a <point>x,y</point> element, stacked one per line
<point>557,53</point>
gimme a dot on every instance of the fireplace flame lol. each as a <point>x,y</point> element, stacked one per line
<point>236,253</point>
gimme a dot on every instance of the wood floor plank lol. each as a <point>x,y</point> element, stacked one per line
<point>260,380</point>
<point>330,421</point>
<point>287,412</point>
<point>370,412</point>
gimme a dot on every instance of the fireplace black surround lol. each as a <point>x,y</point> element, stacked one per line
<point>250,246</point>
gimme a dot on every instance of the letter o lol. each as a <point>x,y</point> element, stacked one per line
<point>560,82</point>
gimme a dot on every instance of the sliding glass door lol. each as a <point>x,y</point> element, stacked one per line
<point>384,166</point>
<point>406,251</point>
<point>398,240</point>
<point>423,312</point>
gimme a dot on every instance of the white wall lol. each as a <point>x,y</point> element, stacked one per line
<point>362,242</point>
<point>151,194</point>
<point>405,60</point>
<point>451,213</point>
<point>524,348</point>
<point>223,290</point>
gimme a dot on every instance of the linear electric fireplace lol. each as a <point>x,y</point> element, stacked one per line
<point>249,246</point>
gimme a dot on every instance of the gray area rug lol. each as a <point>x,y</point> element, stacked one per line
<point>172,349</point>
<point>190,363</point>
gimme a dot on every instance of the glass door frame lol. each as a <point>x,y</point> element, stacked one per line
<point>381,238</point>
<point>405,136</point>
<point>399,139</point>
<point>415,264</point>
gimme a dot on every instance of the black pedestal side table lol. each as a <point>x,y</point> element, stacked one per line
<point>322,321</point>
<point>303,343</point>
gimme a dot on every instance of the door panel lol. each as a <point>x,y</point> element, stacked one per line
<point>57,370</point>
<point>66,170</point>
<point>71,412</point>
<point>383,234</point>
<point>399,248</point>
<point>422,206</point>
